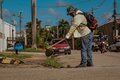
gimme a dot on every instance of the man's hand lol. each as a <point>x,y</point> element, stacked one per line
<point>68,36</point>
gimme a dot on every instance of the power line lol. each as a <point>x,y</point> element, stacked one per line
<point>97,7</point>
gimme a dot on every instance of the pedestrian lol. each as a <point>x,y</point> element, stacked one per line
<point>80,30</point>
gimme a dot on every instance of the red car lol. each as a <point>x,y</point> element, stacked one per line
<point>60,45</point>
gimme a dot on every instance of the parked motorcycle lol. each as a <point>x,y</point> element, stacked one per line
<point>103,46</point>
<point>95,47</point>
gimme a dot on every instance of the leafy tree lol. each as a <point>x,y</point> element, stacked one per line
<point>29,32</point>
<point>63,27</point>
<point>45,35</point>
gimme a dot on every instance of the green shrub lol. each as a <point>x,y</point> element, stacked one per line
<point>52,62</point>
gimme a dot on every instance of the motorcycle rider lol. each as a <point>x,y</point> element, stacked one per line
<point>103,45</point>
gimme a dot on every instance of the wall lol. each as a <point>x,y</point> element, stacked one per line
<point>6,31</point>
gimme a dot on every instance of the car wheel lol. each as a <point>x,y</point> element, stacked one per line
<point>65,53</point>
<point>69,53</point>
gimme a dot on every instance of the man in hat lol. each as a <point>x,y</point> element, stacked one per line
<point>80,30</point>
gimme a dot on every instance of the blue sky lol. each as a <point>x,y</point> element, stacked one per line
<point>51,11</point>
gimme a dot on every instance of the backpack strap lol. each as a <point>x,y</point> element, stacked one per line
<point>84,16</point>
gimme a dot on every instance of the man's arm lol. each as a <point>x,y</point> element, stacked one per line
<point>76,22</point>
<point>72,29</point>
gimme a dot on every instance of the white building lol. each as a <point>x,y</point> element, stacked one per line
<point>6,30</point>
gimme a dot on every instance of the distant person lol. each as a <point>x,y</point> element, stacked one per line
<point>102,37</point>
<point>81,31</point>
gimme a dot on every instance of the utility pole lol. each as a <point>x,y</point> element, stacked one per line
<point>14,24</point>
<point>1,3</point>
<point>73,40</point>
<point>57,31</point>
<point>114,16</point>
<point>33,7</point>
<point>20,15</point>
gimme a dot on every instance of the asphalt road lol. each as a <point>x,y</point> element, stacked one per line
<point>106,67</point>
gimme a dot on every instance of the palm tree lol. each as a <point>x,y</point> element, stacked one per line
<point>29,33</point>
<point>63,27</point>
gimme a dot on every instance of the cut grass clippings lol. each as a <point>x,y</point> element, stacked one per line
<point>17,57</point>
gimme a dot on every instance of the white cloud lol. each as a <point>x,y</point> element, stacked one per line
<point>62,3</point>
<point>107,15</point>
<point>52,12</point>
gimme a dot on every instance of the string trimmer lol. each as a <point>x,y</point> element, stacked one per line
<point>49,51</point>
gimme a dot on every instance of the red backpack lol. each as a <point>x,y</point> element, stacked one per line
<point>91,21</point>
